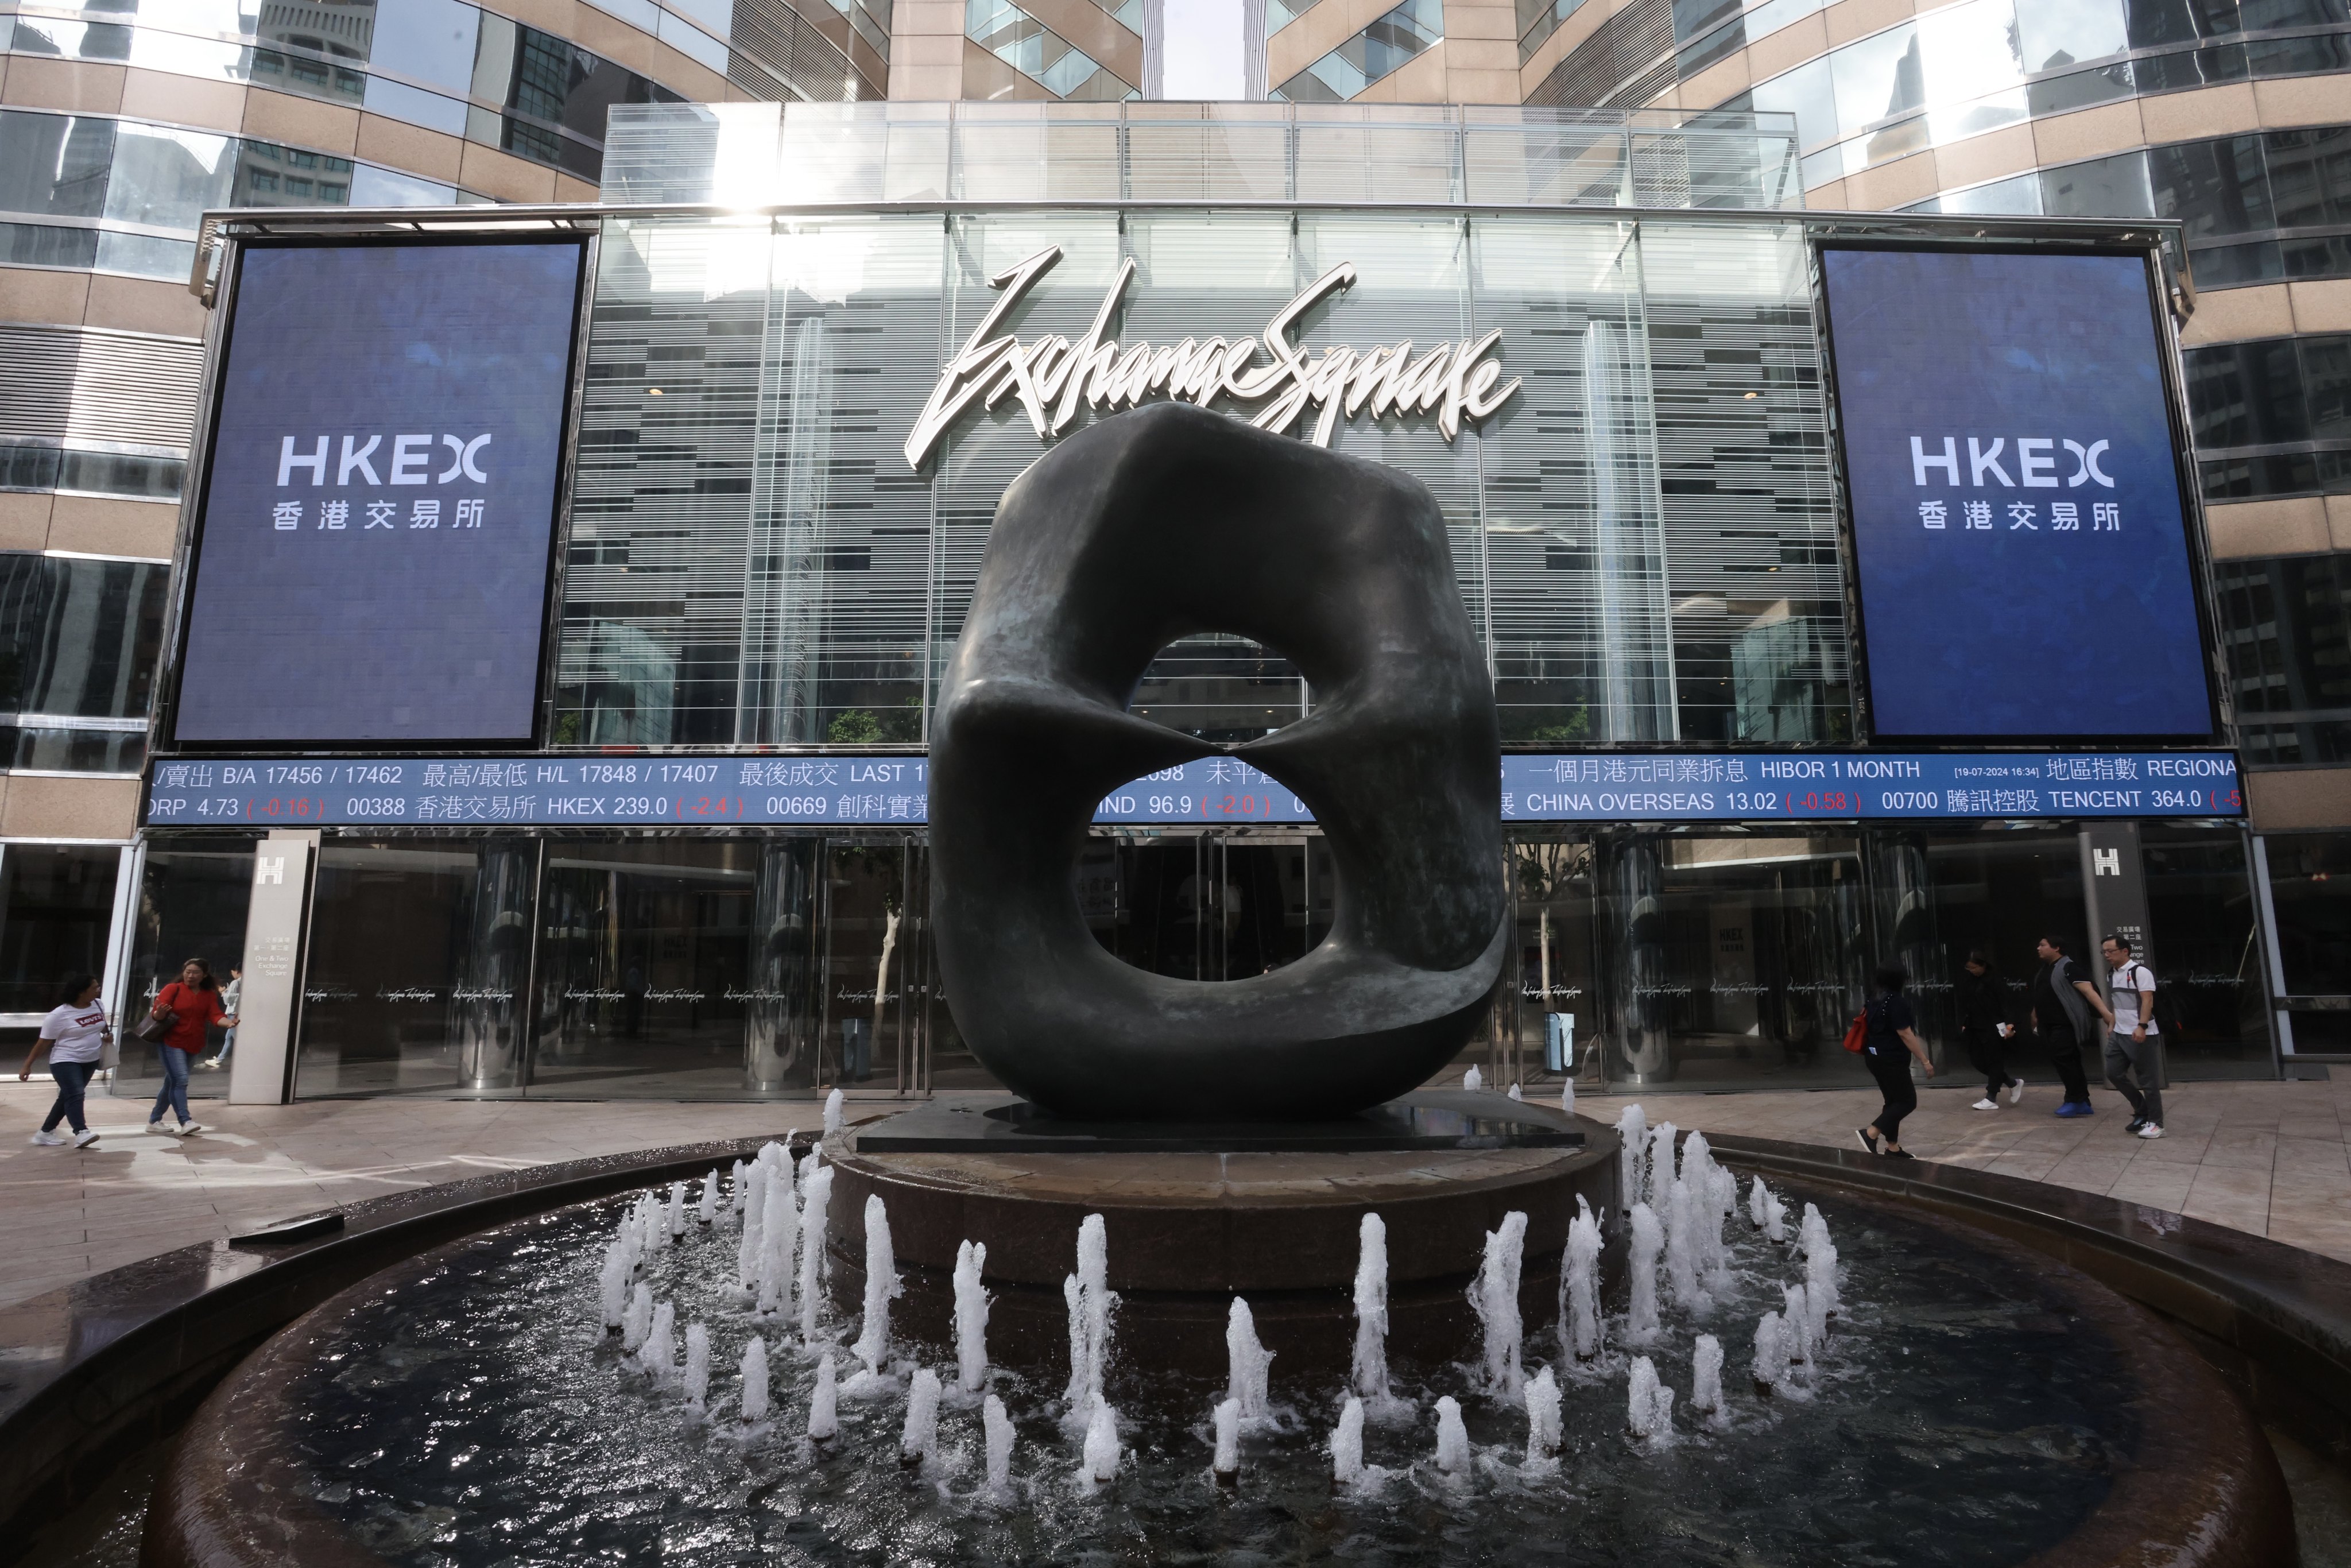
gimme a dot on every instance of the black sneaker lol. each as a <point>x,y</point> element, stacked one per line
<point>1869,1137</point>
<point>2136,1124</point>
<point>1900,1155</point>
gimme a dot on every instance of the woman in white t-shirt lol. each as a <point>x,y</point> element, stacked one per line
<point>76,1034</point>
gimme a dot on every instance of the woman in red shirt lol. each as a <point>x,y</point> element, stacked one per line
<point>194,1003</point>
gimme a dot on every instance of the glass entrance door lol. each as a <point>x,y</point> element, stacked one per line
<point>876,966</point>
<point>1208,906</point>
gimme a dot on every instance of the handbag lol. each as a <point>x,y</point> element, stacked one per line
<point>157,1024</point>
<point>1856,1034</point>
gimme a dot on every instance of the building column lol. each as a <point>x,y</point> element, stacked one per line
<point>269,1005</point>
<point>2114,890</point>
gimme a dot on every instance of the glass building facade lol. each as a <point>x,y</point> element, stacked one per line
<point>1646,536</point>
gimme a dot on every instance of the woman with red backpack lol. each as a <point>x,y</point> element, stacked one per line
<point>1889,1041</point>
<point>183,1012</point>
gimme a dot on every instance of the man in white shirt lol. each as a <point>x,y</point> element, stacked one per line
<point>2131,1043</point>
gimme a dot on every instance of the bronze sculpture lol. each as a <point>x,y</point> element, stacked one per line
<point>1153,525</point>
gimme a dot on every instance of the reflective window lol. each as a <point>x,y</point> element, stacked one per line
<point>167,178</point>
<point>1035,50</point>
<point>194,894</point>
<point>2054,33</point>
<point>2286,623</point>
<point>1728,957</point>
<point>644,949</point>
<point>1878,78</point>
<point>54,164</point>
<point>440,64</point>
<point>2247,394</point>
<point>2310,891</point>
<point>154,177</point>
<point>79,639</point>
<point>56,903</point>
<point>412,987</point>
<point>2116,187</point>
<point>1380,48</point>
<point>93,472</point>
<point>1986,63</point>
<point>2199,902</point>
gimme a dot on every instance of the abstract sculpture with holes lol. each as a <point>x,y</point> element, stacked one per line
<point>1156,525</point>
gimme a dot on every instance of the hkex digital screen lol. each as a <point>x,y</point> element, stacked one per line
<point>373,548</point>
<point>2018,525</point>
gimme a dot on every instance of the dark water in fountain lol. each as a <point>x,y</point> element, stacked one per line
<point>1962,1415</point>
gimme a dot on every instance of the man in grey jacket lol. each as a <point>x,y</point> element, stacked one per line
<point>2067,1011</point>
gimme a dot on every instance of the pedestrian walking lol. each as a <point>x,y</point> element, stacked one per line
<point>2066,1013</point>
<point>76,1034</point>
<point>2132,1038</point>
<point>186,1010</point>
<point>1984,1028</point>
<point>230,997</point>
<point>1891,1042</point>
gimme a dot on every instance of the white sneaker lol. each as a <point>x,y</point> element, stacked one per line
<point>189,1129</point>
<point>48,1140</point>
<point>2152,1130</point>
<point>2015,1090</point>
<point>86,1137</point>
<point>165,1128</point>
<point>1985,1105</point>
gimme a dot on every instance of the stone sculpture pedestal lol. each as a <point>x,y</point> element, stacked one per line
<point>1190,1229</point>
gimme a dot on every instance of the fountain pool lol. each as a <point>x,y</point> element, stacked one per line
<point>1973,1404</point>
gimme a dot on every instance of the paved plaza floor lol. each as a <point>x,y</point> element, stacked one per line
<point>2265,1157</point>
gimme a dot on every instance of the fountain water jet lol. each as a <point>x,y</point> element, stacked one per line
<point>1770,1364</point>
<point>752,1198</point>
<point>1092,1303</point>
<point>613,1287</point>
<point>697,1366</point>
<point>1369,1375</point>
<point>833,1114</point>
<point>816,1200</point>
<point>734,1191</point>
<point>1579,1285</point>
<point>706,1211</point>
<point>638,1320</point>
<point>1495,1299</point>
<point>1473,1082</point>
<point>755,1381</point>
<point>882,1284</point>
<point>1452,1438</point>
<point>676,1209</point>
<point>1347,1444</point>
<point>1248,1366</point>
<point>659,1356</point>
<point>918,1440</point>
<point>1796,1324</point>
<point>1227,1465</point>
<point>1101,1456</point>
<point>1706,1375</point>
<point>1648,1404</point>
<point>970,1317</point>
<point>1660,1172</point>
<point>1544,1434</point>
<point>1648,1241</point>
<point>995,1427</point>
<point>824,1402</point>
<point>1632,1135</point>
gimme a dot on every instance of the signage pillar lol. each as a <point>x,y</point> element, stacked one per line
<point>262,1071</point>
<point>2113,887</point>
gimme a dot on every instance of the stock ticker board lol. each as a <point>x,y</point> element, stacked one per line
<point>882,792</point>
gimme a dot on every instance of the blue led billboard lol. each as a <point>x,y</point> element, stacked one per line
<point>372,550</point>
<point>2019,533</point>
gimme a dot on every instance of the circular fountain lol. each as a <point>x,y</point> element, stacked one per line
<point>1764,1393</point>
